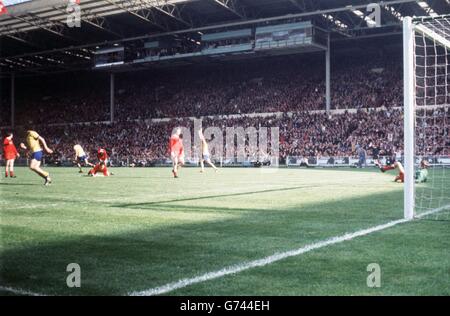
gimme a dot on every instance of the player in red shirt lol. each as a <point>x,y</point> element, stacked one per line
<point>176,151</point>
<point>10,153</point>
<point>102,156</point>
<point>392,164</point>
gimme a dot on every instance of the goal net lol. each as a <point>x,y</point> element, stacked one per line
<point>427,116</point>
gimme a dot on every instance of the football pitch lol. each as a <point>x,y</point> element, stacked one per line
<point>142,232</point>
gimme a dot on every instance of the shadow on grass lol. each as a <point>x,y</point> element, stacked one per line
<point>117,263</point>
<point>157,203</point>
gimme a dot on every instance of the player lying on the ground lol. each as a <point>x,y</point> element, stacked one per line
<point>10,153</point>
<point>102,156</point>
<point>81,157</point>
<point>176,151</point>
<point>205,153</point>
<point>393,165</point>
<point>422,173</point>
<point>34,142</point>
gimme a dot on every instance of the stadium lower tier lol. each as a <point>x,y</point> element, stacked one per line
<point>301,134</point>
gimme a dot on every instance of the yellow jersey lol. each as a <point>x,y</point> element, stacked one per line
<point>33,141</point>
<point>79,150</point>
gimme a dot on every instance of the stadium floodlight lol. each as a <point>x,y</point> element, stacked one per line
<point>426,44</point>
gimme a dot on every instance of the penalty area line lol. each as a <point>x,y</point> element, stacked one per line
<point>233,269</point>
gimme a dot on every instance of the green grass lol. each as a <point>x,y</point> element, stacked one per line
<point>141,229</point>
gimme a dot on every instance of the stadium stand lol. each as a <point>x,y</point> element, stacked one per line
<point>291,91</point>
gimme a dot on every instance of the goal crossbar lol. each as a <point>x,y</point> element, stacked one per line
<point>432,35</point>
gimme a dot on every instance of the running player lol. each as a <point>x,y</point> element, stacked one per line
<point>10,153</point>
<point>205,153</point>
<point>176,151</point>
<point>81,157</point>
<point>102,156</point>
<point>34,142</point>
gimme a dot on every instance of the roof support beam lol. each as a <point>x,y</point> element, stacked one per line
<point>169,9</point>
<point>232,6</point>
<point>138,9</point>
<point>86,49</point>
<point>21,37</point>
<point>93,19</point>
<point>53,27</point>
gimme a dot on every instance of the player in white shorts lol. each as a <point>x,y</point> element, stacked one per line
<point>205,153</point>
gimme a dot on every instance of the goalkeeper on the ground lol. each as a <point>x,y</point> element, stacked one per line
<point>422,173</point>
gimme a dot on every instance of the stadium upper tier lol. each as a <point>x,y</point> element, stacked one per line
<point>268,85</point>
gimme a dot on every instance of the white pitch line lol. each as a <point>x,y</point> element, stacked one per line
<point>252,264</point>
<point>274,258</point>
<point>19,291</point>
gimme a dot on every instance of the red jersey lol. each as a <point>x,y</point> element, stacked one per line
<point>176,144</point>
<point>9,150</point>
<point>102,155</point>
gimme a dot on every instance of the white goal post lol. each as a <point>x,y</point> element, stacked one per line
<point>426,47</point>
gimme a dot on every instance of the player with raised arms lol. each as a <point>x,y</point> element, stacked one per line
<point>176,151</point>
<point>81,157</point>
<point>205,152</point>
<point>34,142</point>
<point>10,154</point>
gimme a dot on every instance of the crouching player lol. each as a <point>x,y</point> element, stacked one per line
<point>10,153</point>
<point>102,156</point>
<point>422,173</point>
<point>176,151</point>
<point>34,141</point>
<point>81,157</point>
<point>393,164</point>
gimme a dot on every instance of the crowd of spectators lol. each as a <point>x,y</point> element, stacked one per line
<point>281,85</point>
<point>367,92</point>
<point>301,134</point>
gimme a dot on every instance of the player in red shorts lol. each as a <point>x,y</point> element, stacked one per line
<point>392,164</point>
<point>401,171</point>
<point>10,153</point>
<point>102,156</point>
<point>176,151</point>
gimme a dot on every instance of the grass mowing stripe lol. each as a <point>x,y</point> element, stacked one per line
<point>252,264</point>
<point>275,257</point>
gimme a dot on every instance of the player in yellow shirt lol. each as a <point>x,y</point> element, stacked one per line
<point>81,157</point>
<point>34,142</point>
